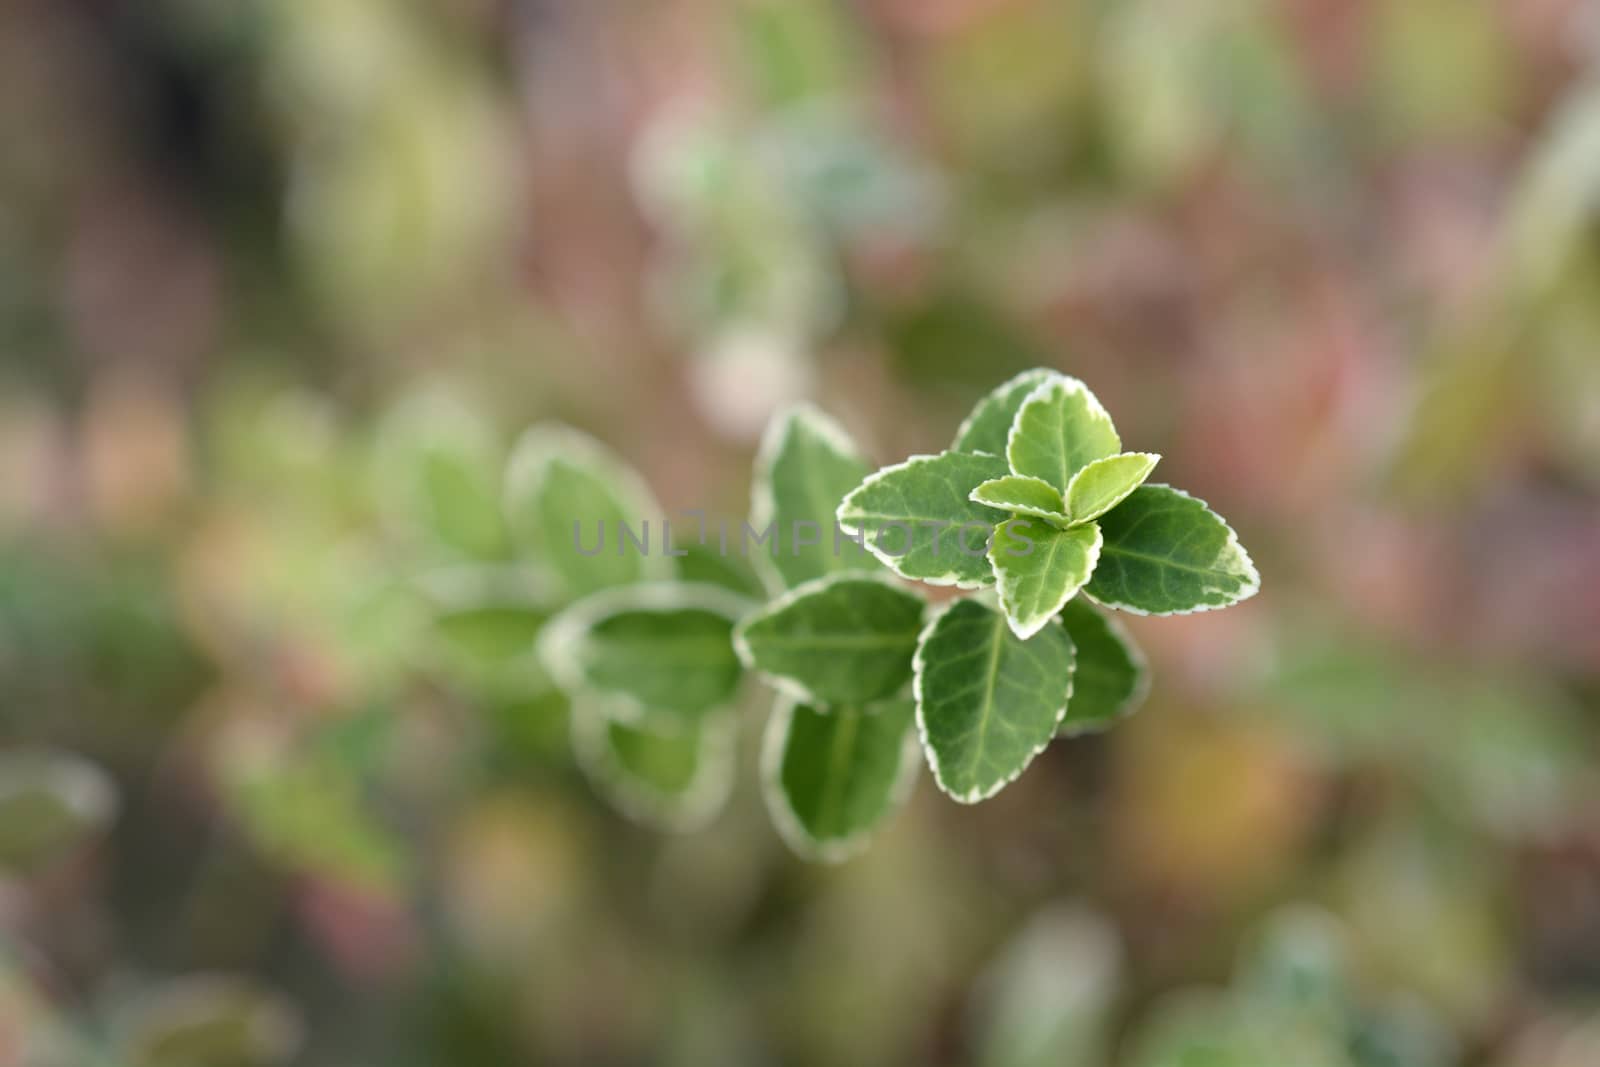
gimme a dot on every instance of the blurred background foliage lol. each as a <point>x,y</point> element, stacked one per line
<point>281,781</point>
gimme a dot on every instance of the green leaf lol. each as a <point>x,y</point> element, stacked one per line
<point>988,426</point>
<point>806,465</point>
<point>666,648</point>
<point>1166,553</point>
<point>987,701</point>
<point>656,769</point>
<point>1040,568</point>
<point>847,639</point>
<point>1105,483</point>
<point>484,614</point>
<point>918,519</point>
<point>832,776</point>
<point>1111,677</point>
<point>1021,495</point>
<point>567,498</point>
<point>437,469</point>
<point>709,564</point>
<point>491,633</point>
<point>1060,429</point>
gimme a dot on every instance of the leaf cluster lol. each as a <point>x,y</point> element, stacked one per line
<point>1037,507</point>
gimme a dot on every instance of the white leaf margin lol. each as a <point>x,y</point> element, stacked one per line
<point>1141,690</point>
<point>1153,457</point>
<point>1040,395</point>
<point>591,718</point>
<point>1053,517</point>
<point>561,642</point>
<point>528,466</point>
<point>763,504</point>
<point>949,578</point>
<point>1025,628</point>
<point>785,685</point>
<point>1033,378</point>
<point>1230,546</point>
<point>919,666</point>
<point>774,743</point>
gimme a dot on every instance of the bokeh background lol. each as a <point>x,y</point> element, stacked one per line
<point>272,793</point>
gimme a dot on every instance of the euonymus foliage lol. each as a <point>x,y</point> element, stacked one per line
<point>1033,504</point>
<point>1035,507</point>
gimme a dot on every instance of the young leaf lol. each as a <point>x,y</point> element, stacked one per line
<point>807,463</point>
<point>987,701</point>
<point>1060,429</point>
<point>831,776</point>
<point>1167,553</point>
<point>1021,495</point>
<point>917,518</point>
<point>667,648</point>
<point>1111,677</point>
<point>989,424</point>
<point>1040,568</point>
<point>846,639</point>
<point>1105,483</point>
<point>567,498</point>
<point>655,769</point>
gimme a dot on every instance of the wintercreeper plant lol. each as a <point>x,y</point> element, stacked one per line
<point>1036,503</point>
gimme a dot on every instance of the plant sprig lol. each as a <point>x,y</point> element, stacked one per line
<point>1035,508</point>
<point>1037,505</point>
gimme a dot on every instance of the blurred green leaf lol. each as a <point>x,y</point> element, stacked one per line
<point>568,499</point>
<point>666,648</point>
<point>795,50</point>
<point>832,775</point>
<point>1110,678</point>
<point>806,465</point>
<point>437,472</point>
<point>656,768</point>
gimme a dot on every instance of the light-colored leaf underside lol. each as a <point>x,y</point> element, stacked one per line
<point>1059,429</point>
<point>832,776</point>
<point>843,639</point>
<point>918,520</point>
<point>1039,568</point>
<point>1167,553</point>
<point>987,702</point>
<point>1105,483</point>
<point>806,465</point>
